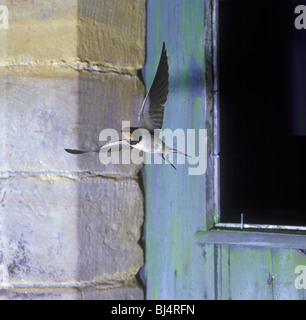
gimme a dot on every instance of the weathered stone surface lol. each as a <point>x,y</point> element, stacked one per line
<point>108,32</point>
<point>112,32</point>
<point>40,30</point>
<point>55,230</point>
<point>43,111</point>
<point>131,292</point>
<point>69,226</point>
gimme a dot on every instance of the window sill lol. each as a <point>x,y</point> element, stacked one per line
<point>261,237</point>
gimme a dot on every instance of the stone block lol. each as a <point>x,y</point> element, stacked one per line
<point>45,110</point>
<point>131,292</point>
<point>64,231</point>
<point>40,31</point>
<point>112,32</point>
<point>109,32</point>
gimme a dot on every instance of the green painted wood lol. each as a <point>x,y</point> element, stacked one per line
<point>249,238</point>
<point>234,272</point>
<point>176,266</point>
<point>174,200</point>
<point>250,273</point>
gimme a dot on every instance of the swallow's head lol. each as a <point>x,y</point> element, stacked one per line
<point>127,133</point>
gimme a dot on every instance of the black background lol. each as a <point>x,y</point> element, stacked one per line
<point>262,88</point>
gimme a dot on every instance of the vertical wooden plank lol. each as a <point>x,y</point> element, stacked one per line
<point>284,263</point>
<point>248,272</point>
<point>209,271</point>
<point>224,274</point>
<point>174,200</point>
<point>257,273</point>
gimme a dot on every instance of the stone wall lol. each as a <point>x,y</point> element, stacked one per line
<point>69,226</point>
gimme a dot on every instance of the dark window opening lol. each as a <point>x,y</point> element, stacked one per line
<point>262,88</point>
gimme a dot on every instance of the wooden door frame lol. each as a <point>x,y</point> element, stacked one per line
<point>216,231</point>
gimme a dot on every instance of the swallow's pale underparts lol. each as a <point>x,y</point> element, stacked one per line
<point>150,118</point>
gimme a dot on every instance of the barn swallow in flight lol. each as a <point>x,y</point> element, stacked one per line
<point>150,117</point>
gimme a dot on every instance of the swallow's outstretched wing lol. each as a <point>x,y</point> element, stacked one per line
<point>112,146</point>
<point>151,114</point>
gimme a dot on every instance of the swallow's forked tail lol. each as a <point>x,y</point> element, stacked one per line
<point>74,151</point>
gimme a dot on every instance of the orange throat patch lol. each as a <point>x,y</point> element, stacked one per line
<point>127,135</point>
